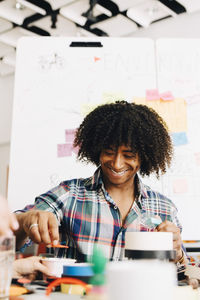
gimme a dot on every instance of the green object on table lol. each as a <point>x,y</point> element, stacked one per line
<point>98,266</point>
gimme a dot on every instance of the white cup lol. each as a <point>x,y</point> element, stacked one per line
<point>55,264</point>
<point>7,256</point>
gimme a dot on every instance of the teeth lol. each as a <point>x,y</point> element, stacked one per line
<point>118,173</point>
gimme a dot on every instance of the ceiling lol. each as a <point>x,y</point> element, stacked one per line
<point>116,18</point>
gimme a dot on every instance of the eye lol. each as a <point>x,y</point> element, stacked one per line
<point>108,152</point>
<point>129,156</point>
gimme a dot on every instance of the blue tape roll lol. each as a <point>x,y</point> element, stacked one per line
<point>77,270</point>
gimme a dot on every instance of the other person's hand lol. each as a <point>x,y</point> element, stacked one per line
<point>8,221</point>
<point>29,267</point>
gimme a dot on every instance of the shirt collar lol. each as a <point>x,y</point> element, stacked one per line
<point>141,187</point>
<point>95,182</point>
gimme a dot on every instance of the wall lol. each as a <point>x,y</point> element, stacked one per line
<point>6,101</point>
<point>4,161</point>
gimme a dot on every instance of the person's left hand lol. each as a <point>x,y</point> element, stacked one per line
<point>29,267</point>
<point>168,226</point>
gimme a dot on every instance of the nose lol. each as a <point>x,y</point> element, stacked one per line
<point>118,161</point>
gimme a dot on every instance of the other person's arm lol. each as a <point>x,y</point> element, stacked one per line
<point>8,221</point>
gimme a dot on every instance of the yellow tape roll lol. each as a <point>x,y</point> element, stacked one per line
<point>72,289</point>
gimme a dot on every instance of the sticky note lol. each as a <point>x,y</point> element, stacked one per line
<point>174,112</point>
<point>64,150</point>
<point>75,150</point>
<point>96,58</point>
<point>69,135</point>
<point>179,138</point>
<point>152,95</point>
<point>167,96</point>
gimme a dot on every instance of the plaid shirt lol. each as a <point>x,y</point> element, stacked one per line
<point>87,215</point>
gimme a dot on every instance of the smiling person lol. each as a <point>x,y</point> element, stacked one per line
<point>123,140</point>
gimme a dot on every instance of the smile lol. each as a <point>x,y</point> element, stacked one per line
<point>118,173</point>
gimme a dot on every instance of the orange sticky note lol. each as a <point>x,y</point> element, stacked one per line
<point>96,58</point>
<point>152,95</point>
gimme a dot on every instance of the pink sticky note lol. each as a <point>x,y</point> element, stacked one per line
<point>75,150</point>
<point>167,96</point>
<point>152,95</point>
<point>64,150</point>
<point>69,135</point>
<point>180,186</point>
<point>197,158</point>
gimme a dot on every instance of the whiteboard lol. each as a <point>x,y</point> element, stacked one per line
<point>55,86</point>
<point>178,70</point>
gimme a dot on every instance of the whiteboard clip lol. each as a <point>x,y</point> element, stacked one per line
<point>86,44</point>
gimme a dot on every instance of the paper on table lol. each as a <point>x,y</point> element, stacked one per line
<point>192,271</point>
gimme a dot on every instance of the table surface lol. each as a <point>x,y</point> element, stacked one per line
<point>181,293</point>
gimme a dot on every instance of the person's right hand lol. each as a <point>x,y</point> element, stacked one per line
<point>40,226</point>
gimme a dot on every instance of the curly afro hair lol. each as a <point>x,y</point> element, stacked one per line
<point>130,124</point>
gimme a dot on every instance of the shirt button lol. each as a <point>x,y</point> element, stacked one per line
<point>115,207</point>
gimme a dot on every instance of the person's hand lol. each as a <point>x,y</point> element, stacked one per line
<point>8,221</point>
<point>29,267</point>
<point>193,282</point>
<point>168,226</point>
<point>40,226</point>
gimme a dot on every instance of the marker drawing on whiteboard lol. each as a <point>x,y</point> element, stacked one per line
<point>49,61</point>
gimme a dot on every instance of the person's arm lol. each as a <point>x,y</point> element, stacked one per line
<point>29,267</point>
<point>8,221</point>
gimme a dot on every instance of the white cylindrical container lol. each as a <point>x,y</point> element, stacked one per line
<point>141,280</point>
<point>55,265</point>
<point>149,241</point>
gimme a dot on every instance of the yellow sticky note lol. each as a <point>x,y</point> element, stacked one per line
<point>174,113</point>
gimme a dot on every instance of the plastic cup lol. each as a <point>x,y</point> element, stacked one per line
<point>7,256</point>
